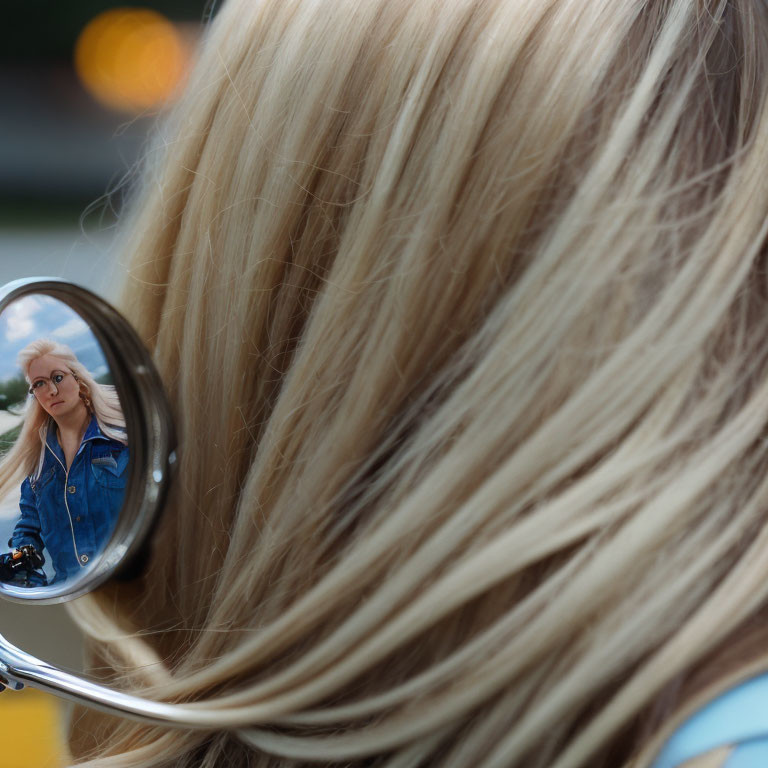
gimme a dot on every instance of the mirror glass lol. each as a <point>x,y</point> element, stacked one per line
<point>65,458</point>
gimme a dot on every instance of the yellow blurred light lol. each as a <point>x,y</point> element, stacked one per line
<point>131,59</point>
<point>32,730</point>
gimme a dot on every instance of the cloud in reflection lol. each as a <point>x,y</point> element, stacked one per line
<point>19,319</point>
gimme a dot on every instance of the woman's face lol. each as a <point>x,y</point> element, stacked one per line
<point>54,386</point>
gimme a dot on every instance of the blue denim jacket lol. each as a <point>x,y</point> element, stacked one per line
<point>72,514</point>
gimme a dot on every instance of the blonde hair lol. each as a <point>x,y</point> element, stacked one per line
<point>462,312</point>
<point>25,458</point>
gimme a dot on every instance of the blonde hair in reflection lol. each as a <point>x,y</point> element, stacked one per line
<point>25,458</point>
<point>462,312</point>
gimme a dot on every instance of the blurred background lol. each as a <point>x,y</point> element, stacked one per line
<point>81,84</point>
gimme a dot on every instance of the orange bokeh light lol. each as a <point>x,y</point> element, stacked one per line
<point>131,59</point>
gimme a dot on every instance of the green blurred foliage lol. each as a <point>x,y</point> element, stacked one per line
<point>13,392</point>
<point>105,378</point>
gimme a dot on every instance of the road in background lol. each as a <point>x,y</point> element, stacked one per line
<point>83,258</point>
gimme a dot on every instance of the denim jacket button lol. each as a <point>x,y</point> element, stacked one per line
<point>83,558</point>
<point>71,489</point>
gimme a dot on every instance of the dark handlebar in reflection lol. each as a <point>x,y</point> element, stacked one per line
<point>23,567</point>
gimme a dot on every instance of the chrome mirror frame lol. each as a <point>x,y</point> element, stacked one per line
<point>151,435</point>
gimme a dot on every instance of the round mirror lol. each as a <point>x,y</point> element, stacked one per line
<point>86,442</point>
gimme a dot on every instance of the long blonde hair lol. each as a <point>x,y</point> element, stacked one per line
<point>462,311</point>
<point>25,458</point>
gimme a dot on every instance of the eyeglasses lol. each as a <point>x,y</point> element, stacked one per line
<point>124,464</point>
<point>53,382</point>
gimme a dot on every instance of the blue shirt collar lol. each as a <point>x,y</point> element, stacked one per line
<point>92,431</point>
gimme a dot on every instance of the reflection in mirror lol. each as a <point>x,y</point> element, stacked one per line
<point>63,445</point>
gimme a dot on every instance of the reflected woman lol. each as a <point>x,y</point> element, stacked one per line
<point>72,454</point>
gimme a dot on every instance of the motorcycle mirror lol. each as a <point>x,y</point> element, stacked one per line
<point>86,442</point>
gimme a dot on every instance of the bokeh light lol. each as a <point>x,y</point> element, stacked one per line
<point>131,59</point>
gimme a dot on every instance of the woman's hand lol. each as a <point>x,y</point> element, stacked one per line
<point>7,562</point>
<point>23,558</point>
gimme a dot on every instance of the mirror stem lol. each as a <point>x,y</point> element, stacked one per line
<point>19,669</point>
